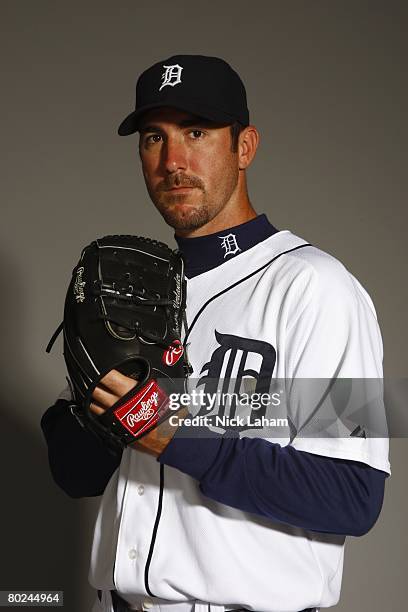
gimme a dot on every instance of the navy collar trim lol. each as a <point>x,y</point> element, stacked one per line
<point>207,252</point>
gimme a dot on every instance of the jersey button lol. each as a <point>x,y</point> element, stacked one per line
<point>147,604</point>
<point>132,553</point>
<point>140,489</point>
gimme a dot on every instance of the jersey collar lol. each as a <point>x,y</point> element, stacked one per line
<point>207,252</point>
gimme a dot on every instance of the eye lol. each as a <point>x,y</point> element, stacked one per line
<point>152,138</point>
<point>197,134</point>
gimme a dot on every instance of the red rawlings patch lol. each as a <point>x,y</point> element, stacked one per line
<point>141,412</point>
<point>173,353</point>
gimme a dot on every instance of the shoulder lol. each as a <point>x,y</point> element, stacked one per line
<point>307,258</point>
<point>330,323</point>
<point>317,275</point>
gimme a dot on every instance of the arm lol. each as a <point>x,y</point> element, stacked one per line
<point>283,484</point>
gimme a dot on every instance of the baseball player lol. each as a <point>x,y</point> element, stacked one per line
<point>230,520</point>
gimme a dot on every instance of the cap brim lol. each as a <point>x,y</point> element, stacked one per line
<point>130,124</point>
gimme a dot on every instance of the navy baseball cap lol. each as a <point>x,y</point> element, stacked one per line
<point>204,86</point>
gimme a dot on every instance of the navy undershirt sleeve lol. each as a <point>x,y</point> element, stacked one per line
<point>289,486</point>
<point>80,463</point>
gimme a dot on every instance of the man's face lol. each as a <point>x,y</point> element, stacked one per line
<point>190,171</point>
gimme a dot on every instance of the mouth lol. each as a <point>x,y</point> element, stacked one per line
<point>180,189</point>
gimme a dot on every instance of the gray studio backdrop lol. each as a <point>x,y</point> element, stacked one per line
<point>326,85</point>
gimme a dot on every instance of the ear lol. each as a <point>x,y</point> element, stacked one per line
<point>247,146</point>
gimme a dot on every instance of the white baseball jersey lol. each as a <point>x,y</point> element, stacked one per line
<point>156,533</point>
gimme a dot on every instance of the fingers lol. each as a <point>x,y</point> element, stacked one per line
<point>117,383</point>
<point>111,388</point>
<point>98,410</point>
<point>104,398</point>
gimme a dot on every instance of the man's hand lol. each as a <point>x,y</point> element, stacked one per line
<point>114,386</point>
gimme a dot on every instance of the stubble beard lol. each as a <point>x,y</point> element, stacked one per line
<point>185,217</point>
<point>194,216</point>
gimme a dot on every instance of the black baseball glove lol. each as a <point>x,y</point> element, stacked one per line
<point>124,309</point>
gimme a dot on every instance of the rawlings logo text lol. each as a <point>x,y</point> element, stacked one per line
<point>79,286</point>
<point>145,412</point>
<point>142,411</point>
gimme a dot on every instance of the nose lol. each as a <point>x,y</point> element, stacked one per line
<point>174,155</point>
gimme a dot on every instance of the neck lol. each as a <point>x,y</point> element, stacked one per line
<point>203,253</point>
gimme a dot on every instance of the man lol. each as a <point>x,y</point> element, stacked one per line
<point>244,521</point>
